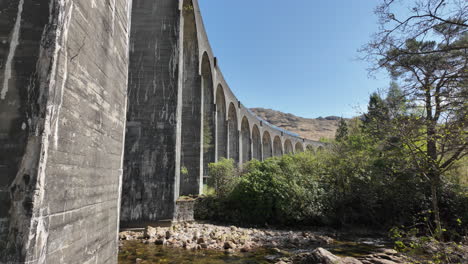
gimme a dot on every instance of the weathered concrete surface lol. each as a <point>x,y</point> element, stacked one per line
<point>19,112</point>
<point>192,106</point>
<point>63,72</point>
<point>150,182</point>
<point>66,67</point>
<point>221,128</point>
<point>184,210</point>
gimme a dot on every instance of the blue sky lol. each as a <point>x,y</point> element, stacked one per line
<point>295,56</point>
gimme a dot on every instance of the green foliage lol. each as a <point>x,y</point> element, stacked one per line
<point>368,177</point>
<point>410,241</point>
<point>359,180</point>
<point>208,190</point>
<point>342,131</point>
<point>222,176</point>
<point>376,117</point>
<point>279,190</point>
<point>208,142</point>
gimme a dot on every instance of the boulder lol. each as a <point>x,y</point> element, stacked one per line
<point>350,260</point>
<point>323,256</point>
<point>160,241</point>
<point>150,232</point>
<point>229,245</point>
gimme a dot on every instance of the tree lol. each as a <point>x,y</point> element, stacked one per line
<point>376,118</point>
<point>427,53</point>
<point>396,101</point>
<point>342,131</point>
<point>424,18</point>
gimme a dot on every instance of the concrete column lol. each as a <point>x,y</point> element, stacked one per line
<point>250,147</point>
<point>228,142</point>
<point>192,106</point>
<point>240,148</point>
<point>199,182</point>
<point>151,164</point>
<point>261,148</point>
<point>63,90</point>
<point>216,133</point>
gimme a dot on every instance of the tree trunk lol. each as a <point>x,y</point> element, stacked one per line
<point>435,206</point>
<point>432,168</point>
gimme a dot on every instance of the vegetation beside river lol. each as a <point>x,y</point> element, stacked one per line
<point>399,169</point>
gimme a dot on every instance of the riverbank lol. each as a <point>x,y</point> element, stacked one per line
<point>284,246</point>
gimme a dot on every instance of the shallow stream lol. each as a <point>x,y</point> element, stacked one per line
<point>151,253</point>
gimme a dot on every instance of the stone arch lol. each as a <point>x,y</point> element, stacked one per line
<point>299,147</point>
<point>191,136</point>
<point>310,148</point>
<point>246,142</point>
<point>256,143</point>
<point>277,147</point>
<point>233,133</point>
<point>288,147</point>
<point>221,123</point>
<point>209,154</point>
<point>320,149</point>
<point>266,146</point>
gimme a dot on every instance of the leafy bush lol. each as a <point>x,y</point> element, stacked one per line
<point>222,176</point>
<point>357,181</point>
<point>275,191</point>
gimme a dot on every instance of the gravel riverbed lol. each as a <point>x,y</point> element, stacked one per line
<point>285,246</point>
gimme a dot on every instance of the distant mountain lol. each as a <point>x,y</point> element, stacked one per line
<point>310,128</point>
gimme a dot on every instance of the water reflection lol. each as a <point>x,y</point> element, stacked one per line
<point>150,253</point>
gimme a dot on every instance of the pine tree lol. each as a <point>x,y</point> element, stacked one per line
<point>342,131</point>
<point>377,117</point>
<point>426,52</point>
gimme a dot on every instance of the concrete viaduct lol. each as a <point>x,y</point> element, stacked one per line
<point>102,102</point>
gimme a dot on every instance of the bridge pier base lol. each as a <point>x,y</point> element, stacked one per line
<point>152,142</point>
<point>63,83</point>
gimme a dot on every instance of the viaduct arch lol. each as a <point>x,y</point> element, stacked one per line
<point>246,143</point>
<point>267,146</point>
<point>288,147</point>
<point>110,110</point>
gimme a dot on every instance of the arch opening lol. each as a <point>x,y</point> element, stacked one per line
<point>288,147</point>
<point>299,147</point>
<point>266,146</point>
<point>256,143</point>
<point>209,131</point>
<point>233,134</point>
<point>221,129</point>
<point>246,143</point>
<point>277,147</point>
<point>310,148</point>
